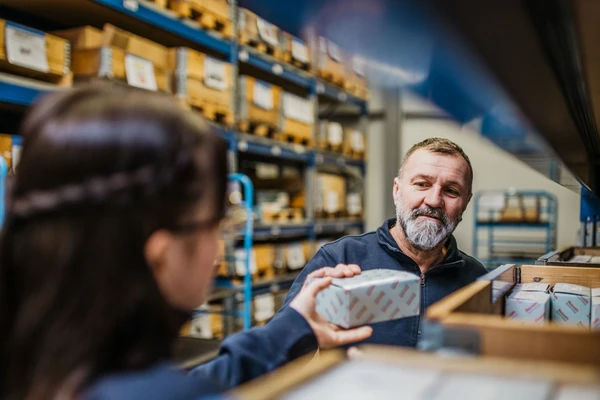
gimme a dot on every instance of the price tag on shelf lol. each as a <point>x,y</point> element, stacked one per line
<point>26,48</point>
<point>263,95</point>
<point>299,51</point>
<point>275,231</point>
<point>215,74</point>
<point>131,5</point>
<point>243,56</point>
<point>335,52</point>
<point>276,151</point>
<point>277,69</point>
<point>243,145</point>
<point>357,141</point>
<point>335,133</point>
<point>295,256</point>
<point>332,202</point>
<point>140,73</point>
<point>267,31</point>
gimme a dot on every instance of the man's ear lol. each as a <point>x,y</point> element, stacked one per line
<point>156,250</point>
<point>468,201</point>
<point>396,190</point>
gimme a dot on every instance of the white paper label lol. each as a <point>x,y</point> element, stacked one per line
<point>283,199</point>
<point>132,5</point>
<point>358,141</point>
<point>16,156</point>
<point>295,256</point>
<point>240,262</point>
<point>359,66</point>
<point>335,52</point>
<point>26,49</point>
<point>354,203</point>
<point>267,31</point>
<point>263,95</point>
<point>201,327</point>
<point>215,74</point>
<point>267,171</point>
<point>299,51</point>
<point>332,202</point>
<point>335,133</point>
<point>298,108</point>
<point>264,306</point>
<point>140,73</point>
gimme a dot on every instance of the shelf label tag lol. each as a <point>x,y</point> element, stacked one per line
<point>140,73</point>
<point>296,258</point>
<point>26,48</point>
<point>332,202</point>
<point>131,5</point>
<point>277,69</point>
<point>335,133</point>
<point>267,31</point>
<point>263,95</point>
<point>299,51</point>
<point>358,141</point>
<point>215,74</point>
<point>267,171</point>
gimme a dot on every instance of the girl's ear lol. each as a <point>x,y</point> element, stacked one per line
<point>156,251</point>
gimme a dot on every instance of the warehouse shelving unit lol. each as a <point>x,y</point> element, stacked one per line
<point>165,27</point>
<point>498,240</point>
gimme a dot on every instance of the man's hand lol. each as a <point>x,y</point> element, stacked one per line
<point>328,335</point>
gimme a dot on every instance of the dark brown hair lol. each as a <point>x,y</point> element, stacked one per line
<point>102,168</point>
<point>441,146</point>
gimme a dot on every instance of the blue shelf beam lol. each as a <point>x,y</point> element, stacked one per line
<point>17,92</point>
<point>264,232</point>
<point>283,71</point>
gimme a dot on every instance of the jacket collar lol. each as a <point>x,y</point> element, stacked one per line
<point>453,256</point>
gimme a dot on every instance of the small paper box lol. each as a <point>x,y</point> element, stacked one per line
<point>373,296</point>
<point>595,317</point>
<point>571,305</point>
<point>532,287</point>
<point>528,306</point>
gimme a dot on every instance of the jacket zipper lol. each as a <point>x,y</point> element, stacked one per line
<point>422,279</point>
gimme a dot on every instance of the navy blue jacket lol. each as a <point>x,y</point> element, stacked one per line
<point>379,249</point>
<point>242,357</point>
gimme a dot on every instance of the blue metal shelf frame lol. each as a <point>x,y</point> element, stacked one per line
<point>545,245</point>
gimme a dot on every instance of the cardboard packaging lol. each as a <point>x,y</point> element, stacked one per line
<point>528,306</point>
<point>595,314</point>
<point>373,296</point>
<point>532,287</point>
<point>571,305</point>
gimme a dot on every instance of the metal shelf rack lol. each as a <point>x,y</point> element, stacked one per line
<point>500,238</point>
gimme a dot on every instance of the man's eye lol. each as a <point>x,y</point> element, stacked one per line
<point>452,192</point>
<point>421,184</point>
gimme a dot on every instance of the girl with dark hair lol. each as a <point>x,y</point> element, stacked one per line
<point>109,240</point>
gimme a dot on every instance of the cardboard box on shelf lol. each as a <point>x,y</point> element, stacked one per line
<point>329,60</point>
<point>33,53</point>
<point>295,51</point>
<point>330,194</point>
<point>354,143</point>
<point>264,307</point>
<point>258,33</point>
<point>373,296</point>
<point>259,106</point>
<point>117,54</point>
<point>529,306</point>
<point>356,77</point>
<point>210,14</point>
<point>571,305</point>
<point>297,119</point>
<point>207,324</point>
<point>297,255</point>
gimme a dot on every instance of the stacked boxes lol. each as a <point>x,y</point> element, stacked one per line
<point>210,14</point>
<point>298,118</point>
<point>356,77</point>
<point>373,296</point>
<point>330,195</point>
<point>204,83</point>
<point>295,51</point>
<point>258,33</point>
<point>29,52</point>
<point>571,305</point>
<point>354,143</point>
<point>528,306</point>
<point>117,54</point>
<point>329,61</point>
<point>259,106</point>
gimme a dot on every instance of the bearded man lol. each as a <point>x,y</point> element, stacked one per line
<point>431,192</point>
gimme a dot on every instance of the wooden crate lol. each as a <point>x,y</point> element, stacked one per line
<point>565,257</point>
<point>329,61</point>
<point>212,15</point>
<point>330,136</point>
<point>354,144</point>
<point>310,369</point>
<point>104,53</point>
<point>356,78</point>
<point>159,3</point>
<point>297,120</point>
<point>259,34</point>
<point>57,53</point>
<point>203,83</point>
<point>471,308</point>
<point>259,107</point>
<point>330,196</point>
<point>295,51</point>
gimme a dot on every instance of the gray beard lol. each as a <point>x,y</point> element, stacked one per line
<point>425,234</point>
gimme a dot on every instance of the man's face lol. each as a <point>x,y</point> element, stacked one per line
<point>431,196</point>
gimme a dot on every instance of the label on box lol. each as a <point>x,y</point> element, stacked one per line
<point>263,95</point>
<point>140,73</point>
<point>26,48</point>
<point>283,199</point>
<point>201,327</point>
<point>359,66</point>
<point>299,51</point>
<point>335,133</point>
<point>240,262</point>
<point>332,202</point>
<point>354,203</point>
<point>17,148</point>
<point>215,73</point>
<point>595,292</point>
<point>335,52</point>
<point>298,108</point>
<point>295,256</point>
<point>581,259</point>
<point>532,287</point>
<point>358,141</point>
<point>264,306</point>
<point>267,31</point>
<point>267,171</point>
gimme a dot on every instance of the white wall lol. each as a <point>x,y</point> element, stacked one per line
<point>494,169</point>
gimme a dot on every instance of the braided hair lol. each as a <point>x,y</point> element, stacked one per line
<point>102,167</point>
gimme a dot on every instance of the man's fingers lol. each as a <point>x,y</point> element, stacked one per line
<point>344,270</point>
<point>320,272</point>
<point>343,337</point>
<point>317,285</point>
<point>354,353</point>
<point>355,268</point>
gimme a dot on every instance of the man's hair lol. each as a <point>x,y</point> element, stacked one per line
<point>442,146</point>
